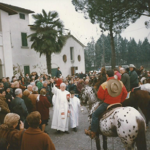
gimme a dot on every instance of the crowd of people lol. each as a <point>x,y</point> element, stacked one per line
<point>25,103</point>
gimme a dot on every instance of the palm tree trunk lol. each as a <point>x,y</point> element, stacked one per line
<point>48,62</point>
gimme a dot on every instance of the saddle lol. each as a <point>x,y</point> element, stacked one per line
<point>110,109</point>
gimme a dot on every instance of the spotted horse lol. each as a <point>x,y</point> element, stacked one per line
<point>124,122</point>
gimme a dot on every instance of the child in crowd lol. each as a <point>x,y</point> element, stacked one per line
<point>74,112</point>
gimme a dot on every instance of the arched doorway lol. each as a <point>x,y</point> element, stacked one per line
<point>1,69</point>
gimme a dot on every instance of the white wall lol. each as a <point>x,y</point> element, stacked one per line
<point>6,48</point>
<point>13,52</point>
<point>57,59</point>
<point>24,56</point>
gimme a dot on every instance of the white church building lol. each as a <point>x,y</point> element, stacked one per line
<point>16,52</point>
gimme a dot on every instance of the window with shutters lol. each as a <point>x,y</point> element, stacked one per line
<point>22,16</point>
<point>26,70</point>
<point>24,39</point>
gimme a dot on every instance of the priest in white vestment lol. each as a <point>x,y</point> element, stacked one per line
<point>74,111</point>
<point>60,109</point>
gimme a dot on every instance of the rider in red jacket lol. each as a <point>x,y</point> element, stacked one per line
<point>104,95</point>
<point>112,91</point>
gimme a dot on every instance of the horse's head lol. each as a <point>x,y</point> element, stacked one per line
<point>83,96</point>
<point>88,95</point>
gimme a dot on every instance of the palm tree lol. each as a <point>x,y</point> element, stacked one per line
<point>48,36</point>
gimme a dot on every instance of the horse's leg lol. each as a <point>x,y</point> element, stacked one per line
<point>98,145</point>
<point>104,142</point>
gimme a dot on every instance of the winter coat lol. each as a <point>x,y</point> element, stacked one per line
<point>118,75</point>
<point>104,95</point>
<point>72,87</point>
<point>28,103</point>
<point>33,98</point>
<point>134,82</point>
<point>126,81</point>
<point>39,85</point>
<point>58,73</point>
<point>103,78</point>
<point>48,93</point>
<point>12,135</point>
<point>35,139</point>
<point>19,107</point>
<point>8,97</point>
<point>6,85</point>
<point>4,109</point>
<point>43,107</point>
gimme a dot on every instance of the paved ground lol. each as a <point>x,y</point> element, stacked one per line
<point>79,141</point>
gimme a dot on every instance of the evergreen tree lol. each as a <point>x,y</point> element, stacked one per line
<point>90,56</point>
<point>132,52</point>
<point>111,15</point>
<point>103,48</point>
<point>146,50</point>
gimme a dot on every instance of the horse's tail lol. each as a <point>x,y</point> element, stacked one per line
<point>141,137</point>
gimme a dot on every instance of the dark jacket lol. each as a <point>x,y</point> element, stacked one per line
<point>103,78</point>
<point>19,107</point>
<point>43,107</point>
<point>58,73</point>
<point>134,82</point>
<point>28,103</point>
<point>126,81</point>
<point>6,85</point>
<point>12,135</point>
<point>81,76</point>
<point>72,87</point>
<point>9,97</point>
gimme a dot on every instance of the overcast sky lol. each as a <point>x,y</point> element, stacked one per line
<point>80,27</point>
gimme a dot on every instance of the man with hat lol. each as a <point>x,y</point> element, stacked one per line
<point>112,91</point>
<point>134,82</point>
